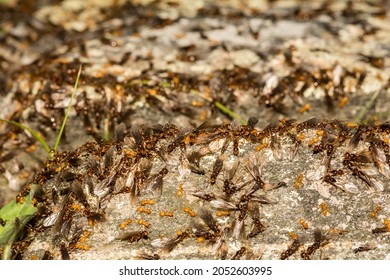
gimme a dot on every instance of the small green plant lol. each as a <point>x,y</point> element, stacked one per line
<point>221,107</point>
<point>361,116</point>
<point>15,215</point>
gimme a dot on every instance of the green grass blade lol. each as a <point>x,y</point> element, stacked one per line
<point>15,215</point>
<point>221,107</point>
<point>67,111</point>
<point>33,133</point>
<point>228,112</point>
<point>360,117</point>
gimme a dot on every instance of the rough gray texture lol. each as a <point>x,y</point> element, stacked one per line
<point>347,223</point>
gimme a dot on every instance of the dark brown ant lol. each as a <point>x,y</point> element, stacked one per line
<point>295,245</point>
<point>319,240</point>
<point>230,189</point>
<point>225,145</point>
<point>379,156</point>
<point>360,78</point>
<point>384,127</point>
<point>201,194</point>
<point>375,61</point>
<point>217,167</point>
<point>356,138</point>
<point>239,226</point>
<point>120,132</point>
<point>142,172</point>
<point>194,160</point>
<point>93,167</point>
<point>344,132</point>
<point>257,225</point>
<point>190,163</point>
<point>208,132</point>
<point>155,182</point>
<point>281,185</point>
<point>221,245</point>
<point>64,252</point>
<point>331,178</point>
<point>220,203</point>
<point>270,129</point>
<point>95,217</point>
<point>25,191</point>
<point>228,175</point>
<point>296,142</point>
<point>133,236</point>
<point>168,244</point>
<point>139,255</point>
<point>210,230</point>
<point>276,147</point>
<point>252,121</point>
<point>62,222</point>
<point>80,195</point>
<point>384,229</point>
<point>179,141</point>
<point>6,156</point>
<point>364,248</point>
<point>313,123</point>
<point>203,233</point>
<point>380,230</point>
<point>285,126</point>
<point>209,220</point>
<point>136,137</point>
<point>73,239</point>
<point>108,158</point>
<point>47,256</point>
<point>236,131</point>
<point>254,166</point>
<point>239,254</point>
<point>356,163</point>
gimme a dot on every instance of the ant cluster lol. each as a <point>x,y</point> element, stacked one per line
<point>210,182</point>
<point>335,82</point>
